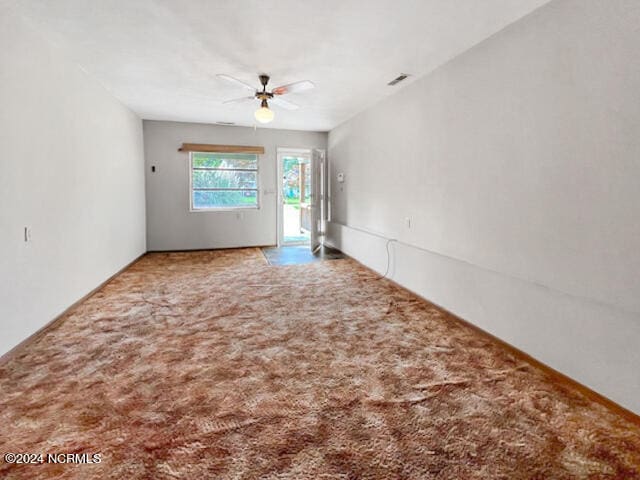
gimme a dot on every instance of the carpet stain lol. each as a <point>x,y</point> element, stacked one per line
<point>214,364</point>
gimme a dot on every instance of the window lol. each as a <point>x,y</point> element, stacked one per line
<point>224,181</point>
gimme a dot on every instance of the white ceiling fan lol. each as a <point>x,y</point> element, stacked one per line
<point>264,114</point>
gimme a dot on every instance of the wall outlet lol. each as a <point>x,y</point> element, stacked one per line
<point>27,234</point>
<point>341,177</point>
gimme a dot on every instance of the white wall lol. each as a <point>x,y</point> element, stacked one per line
<point>170,224</point>
<point>71,168</point>
<point>518,165</point>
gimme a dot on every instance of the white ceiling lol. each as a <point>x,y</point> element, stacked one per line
<point>161,57</point>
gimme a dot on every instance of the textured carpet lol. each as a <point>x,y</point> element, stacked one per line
<point>216,365</point>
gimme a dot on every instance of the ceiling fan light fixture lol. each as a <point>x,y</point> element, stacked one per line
<point>264,114</point>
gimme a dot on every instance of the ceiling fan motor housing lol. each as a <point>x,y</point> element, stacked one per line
<point>264,95</point>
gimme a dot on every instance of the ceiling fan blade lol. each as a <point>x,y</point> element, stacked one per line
<point>235,81</point>
<point>284,104</point>
<point>293,87</point>
<point>238,100</point>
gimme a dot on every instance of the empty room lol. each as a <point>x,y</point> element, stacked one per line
<point>338,239</point>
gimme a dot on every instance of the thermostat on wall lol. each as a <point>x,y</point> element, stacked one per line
<point>341,177</point>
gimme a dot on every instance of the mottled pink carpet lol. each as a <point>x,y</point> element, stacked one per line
<point>216,365</point>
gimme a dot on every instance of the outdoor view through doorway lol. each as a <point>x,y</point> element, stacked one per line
<point>296,198</point>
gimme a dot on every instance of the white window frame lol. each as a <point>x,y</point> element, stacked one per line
<point>192,209</point>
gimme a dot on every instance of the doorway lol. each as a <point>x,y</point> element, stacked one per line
<point>294,195</point>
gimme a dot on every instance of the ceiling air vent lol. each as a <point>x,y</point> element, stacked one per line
<point>225,123</point>
<point>398,79</point>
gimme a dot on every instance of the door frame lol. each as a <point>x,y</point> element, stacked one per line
<point>318,198</point>
<point>280,153</point>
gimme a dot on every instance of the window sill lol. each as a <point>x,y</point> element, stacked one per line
<point>221,209</point>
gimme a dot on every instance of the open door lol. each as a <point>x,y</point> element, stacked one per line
<point>317,199</point>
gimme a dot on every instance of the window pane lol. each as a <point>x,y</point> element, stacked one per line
<point>224,179</point>
<point>225,160</point>
<point>221,199</point>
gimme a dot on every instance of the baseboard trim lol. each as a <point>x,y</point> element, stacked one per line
<point>6,357</point>
<point>556,377</point>
<point>185,250</point>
